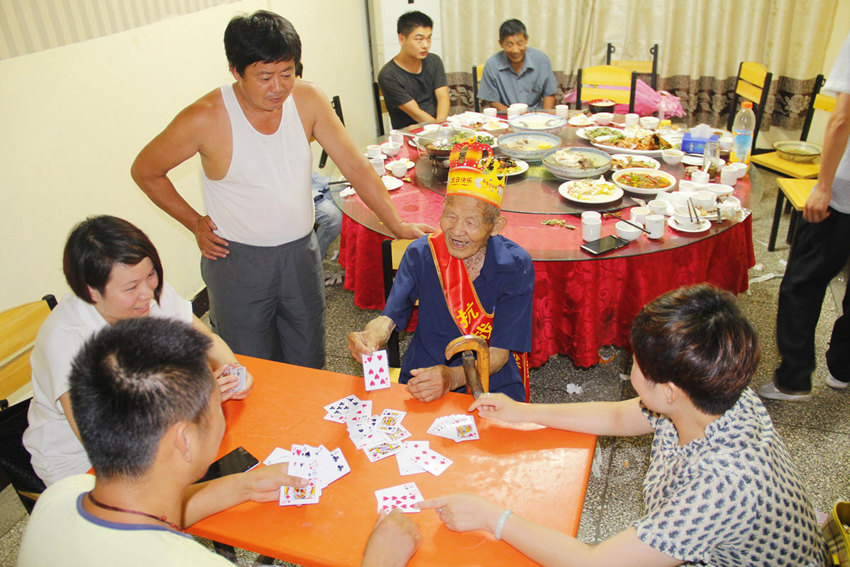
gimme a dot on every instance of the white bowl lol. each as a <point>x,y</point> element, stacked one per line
<point>390,148</point>
<point>627,231</point>
<point>704,200</point>
<point>682,217</point>
<point>740,168</point>
<point>672,157</point>
<point>603,118</point>
<point>720,190</point>
<point>686,186</point>
<point>649,122</point>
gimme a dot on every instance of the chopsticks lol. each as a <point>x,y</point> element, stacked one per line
<point>693,215</point>
<point>616,216</point>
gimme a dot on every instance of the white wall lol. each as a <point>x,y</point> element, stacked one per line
<point>72,119</point>
<point>385,19</point>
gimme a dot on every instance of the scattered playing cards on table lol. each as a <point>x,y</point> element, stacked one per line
<point>458,427</point>
<point>431,461</point>
<point>376,370</point>
<point>348,408</point>
<point>404,497</point>
<point>404,458</point>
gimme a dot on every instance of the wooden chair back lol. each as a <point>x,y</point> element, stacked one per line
<point>597,82</point>
<point>643,67</point>
<point>752,84</point>
<point>18,328</point>
<point>391,253</point>
<point>380,107</point>
<point>477,74</point>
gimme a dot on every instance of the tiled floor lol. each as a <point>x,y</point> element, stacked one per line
<point>816,434</point>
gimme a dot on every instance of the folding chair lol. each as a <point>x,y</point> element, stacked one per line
<point>601,82</point>
<point>643,67</point>
<point>795,170</point>
<point>477,73</point>
<point>752,84</point>
<point>18,329</point>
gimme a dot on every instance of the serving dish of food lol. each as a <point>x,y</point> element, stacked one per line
<point>643,181</point>
<point>438,143</point>
<point>576,162</point>
<point>590,191</point>
<point>797,151</point>
<point>528,146</point>
<point>640,141</point>
<point>486,138</point>
<point>625,161</point>
<point>511,166</point>
<point>537,122</point>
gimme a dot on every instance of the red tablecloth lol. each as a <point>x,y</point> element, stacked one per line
<point>582,305</point>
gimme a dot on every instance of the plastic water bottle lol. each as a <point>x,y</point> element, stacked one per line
<point>742,129</point>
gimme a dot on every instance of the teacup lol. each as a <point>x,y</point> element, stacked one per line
<point>658,207</point>
<point>391,148</point>
<point>672,157</point>
<point>490,111</point>
<point>562,110</point>
<point>701,177</point>
<point>655,226</point>
<point>591,226</point>
<point>638,214</point>
<point>632,120</point>
<point>378,164</point>
<point>398,168</point>
<point>728,175</point>
<point>649,122</point>
<point>373,150</point>
<point>603,118</point>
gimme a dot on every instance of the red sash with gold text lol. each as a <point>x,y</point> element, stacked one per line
<point>462,300</point>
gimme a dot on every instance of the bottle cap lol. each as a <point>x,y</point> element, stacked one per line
<point>746,104</point>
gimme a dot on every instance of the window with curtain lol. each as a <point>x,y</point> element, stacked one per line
<point>701,43</point>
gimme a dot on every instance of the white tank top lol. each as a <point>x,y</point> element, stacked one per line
<point>265,198</point>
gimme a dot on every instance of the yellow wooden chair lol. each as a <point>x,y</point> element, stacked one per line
<point>380,107</point>
<point>642,67</point>
<point>391,254</point>
<point>477,73</point>
<point>773,162</point>
<point>752,84</point>
<point>18,328</point>
<point>598,82</point>
<point>797,191</point>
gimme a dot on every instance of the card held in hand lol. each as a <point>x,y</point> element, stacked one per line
<point>376,370</point>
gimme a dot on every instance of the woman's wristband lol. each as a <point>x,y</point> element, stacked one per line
<point>501,523</point>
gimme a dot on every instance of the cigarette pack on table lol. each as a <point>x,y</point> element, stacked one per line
<point>691,145</point>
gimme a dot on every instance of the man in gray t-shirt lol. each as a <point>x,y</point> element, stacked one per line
<point>820,250</point>
<point>518,73</point>
<point>414,81</point>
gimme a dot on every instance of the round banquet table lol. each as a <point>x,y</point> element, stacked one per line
<point>581,302</point>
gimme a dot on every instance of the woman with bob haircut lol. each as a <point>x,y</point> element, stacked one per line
<point>114,272</point>
<point>720,489</point>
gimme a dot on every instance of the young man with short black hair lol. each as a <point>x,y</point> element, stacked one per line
<point>414,81</point>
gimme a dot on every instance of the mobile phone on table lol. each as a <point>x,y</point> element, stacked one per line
<point>237,461</point>
<point>604,245</point>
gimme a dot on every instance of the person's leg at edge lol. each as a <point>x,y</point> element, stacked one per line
<point>838,353</point>
<point>301,305</point>
<point>242,300</point>
<point>815,259</point>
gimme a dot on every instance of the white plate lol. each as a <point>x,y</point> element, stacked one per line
<point>703,225</point>
<point>693,159</point>
<point>639,191</point>
<point>406,161</point>
<point>581,120</point>
<point>650,163</point>
<point>612,149</point>
<point>495,125</point>
<point>494,144</point>
<point>382,156</point>
<point>564,190</point>
<point>391,182</point>
<point>523,167</point>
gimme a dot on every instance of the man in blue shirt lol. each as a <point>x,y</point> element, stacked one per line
<point>518,73</point>
<point>468,280</point>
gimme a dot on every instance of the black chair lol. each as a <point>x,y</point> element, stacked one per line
<point>477,73</point>
<point>14,458</point>
<point>380,107</point>
<point>337,105</point>
<point>640,66</point>
<point>392,252</point>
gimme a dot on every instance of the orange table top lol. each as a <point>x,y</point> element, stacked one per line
<point>539,473</point>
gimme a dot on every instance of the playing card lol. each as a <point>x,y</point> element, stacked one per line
<point>338,410</point>
<point>431,461</point>
<point>278,455</point>
<point>376,370</point>
<point>390,420</point>
<point>404,496</point>
<point>464,429</point>
<point>302,461</point>
<point>241,373</point>
<point>399,434</point>
<point>291,496</point>
<point>331,466</point>
<point>359,410</point>
<point>382,450</point>
<point>404,459</point>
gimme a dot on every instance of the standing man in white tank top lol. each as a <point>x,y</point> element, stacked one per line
<point>260,256</point>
